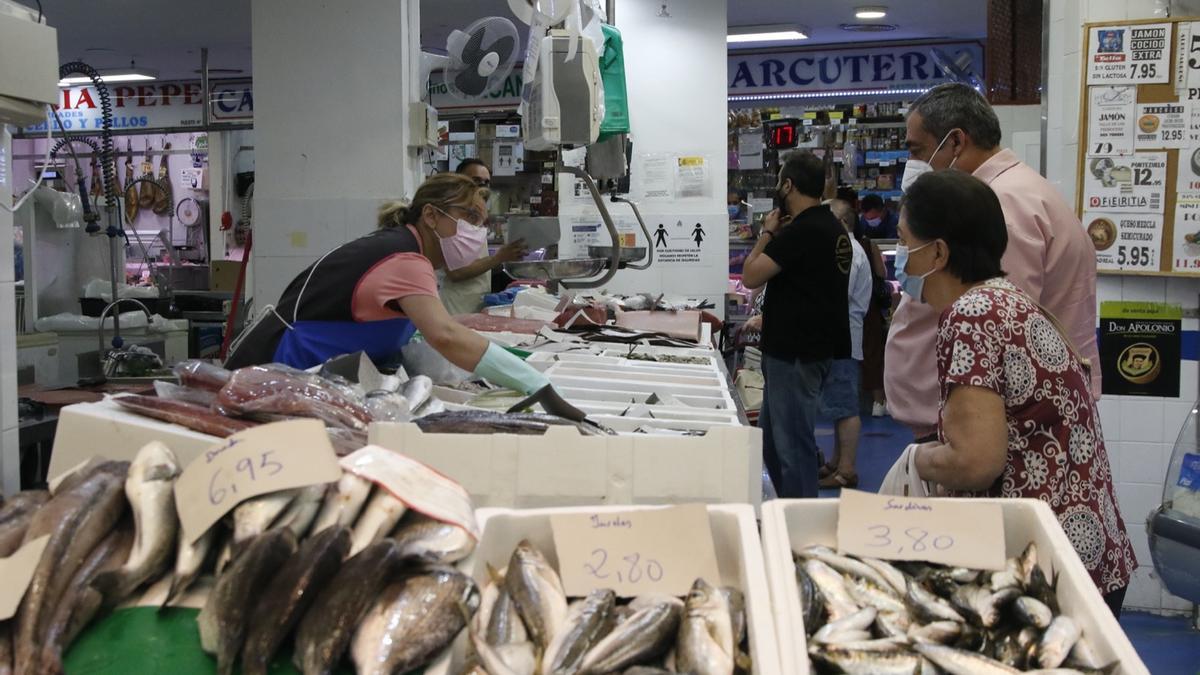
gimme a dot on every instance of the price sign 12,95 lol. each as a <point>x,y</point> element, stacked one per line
<point>267,458</point>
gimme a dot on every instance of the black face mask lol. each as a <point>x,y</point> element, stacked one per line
<point>780,200</point>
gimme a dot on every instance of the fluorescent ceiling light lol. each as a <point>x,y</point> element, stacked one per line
<point>870,12</point>
<point>770,33</point>
<point>111,76</point>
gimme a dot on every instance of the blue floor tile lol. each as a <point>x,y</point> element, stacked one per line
<point>881,442</point>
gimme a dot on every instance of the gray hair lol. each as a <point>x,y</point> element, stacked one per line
<point>844,213</point>
<point>957,106</point>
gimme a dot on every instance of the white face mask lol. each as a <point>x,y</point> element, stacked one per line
<point>914,168</point>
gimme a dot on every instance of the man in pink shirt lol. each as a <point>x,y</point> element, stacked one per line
<point>1049,255</point>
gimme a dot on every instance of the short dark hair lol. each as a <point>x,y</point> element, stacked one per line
<point>469,162</point>
<point>962,211</point>
<point>806,171</point>
<point>953,105</point>
<point>872,201</point>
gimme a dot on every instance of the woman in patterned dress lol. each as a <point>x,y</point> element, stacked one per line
<point>1016,416</point>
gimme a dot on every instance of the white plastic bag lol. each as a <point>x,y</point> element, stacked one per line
<point>902,479</point>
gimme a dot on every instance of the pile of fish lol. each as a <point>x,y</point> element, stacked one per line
<point>331,568</point>
<point>863,615</point>
<point>525,625</point>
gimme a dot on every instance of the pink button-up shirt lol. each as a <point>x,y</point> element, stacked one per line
<point>1049,256</point>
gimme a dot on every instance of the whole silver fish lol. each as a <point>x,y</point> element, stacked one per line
<point>862,662</point>
<point>941,632</point>
<point>414,619</point>
<point>189,558</point>
<point>586,623</point>
<point>960,662</point>
<point>737,613</point>
<point>871,645</point>
<point>1083,655</point>
<point>381,514</point>
<point>980,604</point>
<point>853,623</point>
<point>289,593</point>
<point>895,578</point>
<point>1026,562</point>
<point>1033,612</point>
<point>838,602</point>
<point>928,607</point>
<point>537,592</point>
<point>328,625</point>
<point>1057,641</point>
<point>517,658</point>
<point>647,634</point>
<point>416,391</point>
<point>866,593</point>
<point>343,503</point>
<point>299,515</point>
<point>812,604</point>
<point>15,515</point>
<point>255,516</point>
<point>225,619</point>
<point>150,488</point>
<point>847,565</point>
<point>893,624</point>
<point>431,541</point>
<point>504,625</point>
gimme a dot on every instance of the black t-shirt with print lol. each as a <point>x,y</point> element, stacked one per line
<point>806,312</point>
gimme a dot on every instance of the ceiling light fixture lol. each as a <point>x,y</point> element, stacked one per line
<point>111,76</point>
<point>769,33</point>
<point>870,12</point>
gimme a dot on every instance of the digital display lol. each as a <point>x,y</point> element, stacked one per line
<point>782,134</point>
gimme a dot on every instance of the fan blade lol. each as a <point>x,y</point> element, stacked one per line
<point>503,47</point>
<point>472,51</point>
<point>470,82</point>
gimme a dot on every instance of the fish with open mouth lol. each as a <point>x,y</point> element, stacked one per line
<point>706,644</point>
<point>537,593</point>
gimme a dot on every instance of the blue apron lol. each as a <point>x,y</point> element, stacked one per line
<point>305,344</point>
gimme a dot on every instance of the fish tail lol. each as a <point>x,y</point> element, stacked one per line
<point>178,586</point>
<point>109,583</point>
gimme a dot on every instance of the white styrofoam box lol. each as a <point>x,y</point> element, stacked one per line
<point>623,383</point>
<point>1138,500</point>
<point>564,468</point>
<point>791,524</point>
<point>644,379</point>
<point>735,538</point>
<point>1141,462</point>
<point>708,401</point>
<point>1142,420</point>
<point>104,429</point>
<point>623,424</point>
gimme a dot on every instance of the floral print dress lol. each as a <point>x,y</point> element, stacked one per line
<point>996,337</point>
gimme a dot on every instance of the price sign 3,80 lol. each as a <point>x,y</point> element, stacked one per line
<point>912,539</point>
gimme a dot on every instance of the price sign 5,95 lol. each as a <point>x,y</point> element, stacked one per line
<point>267,458</point>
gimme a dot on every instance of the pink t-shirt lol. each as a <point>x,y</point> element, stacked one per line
<point>378,292</point>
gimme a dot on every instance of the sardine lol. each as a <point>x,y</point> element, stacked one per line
<point>1043,590</point>
<point>537,592</point>
<point>489,422</point>
<point>941,632</point>
<point>960,662</point>
<point>1010,577</point>
<point>225,618</point>
<point>1084,656</point>
<point>343,503</point>
<point>860,662</point>
<point>1057,641</point>
<point>838,602</point>
<point>812,604</point>
<point>1033,612</point>
<point>299,515</point>
<point>6,647</point>
<point>853,623</point>
<point>381,514</point>
<point>328,625</point>
<point>876,645</point>
<point>645,635</point>
<point>866,593</point>
<point>150,488</point>
<point>895,578</point>
<point>416,391</point>
<point>847,565</point>
<point>289,593</point>
<point>586,623</point>
<point>414,619</point>
<point>15,515</point>
<point>76,521</point>
<point>964,575</point>
<point>1026,562</point>
<point>980,604</point>
<point>431,541</point>
<point>517,658</point>
<point>504,625</point>
<point>890,624</point>
<point>737,612</point>
<point>926,606</point>
<point>255,516</point>
<point>189,558</point>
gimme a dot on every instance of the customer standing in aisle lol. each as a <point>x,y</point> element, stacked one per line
<point>1049,256</point>
<point>803,255</point>
<point>839,396</point>
<point>462,290</point>
<point>877,221</point>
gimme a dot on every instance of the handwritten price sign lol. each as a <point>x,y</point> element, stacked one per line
<point>634,552</point>
<point>267,458</point>
<point>959,532</point>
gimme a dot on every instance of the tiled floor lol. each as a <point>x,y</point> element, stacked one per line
<point>1168,645</point>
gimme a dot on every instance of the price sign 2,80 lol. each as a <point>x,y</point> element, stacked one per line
<point>635,569</point>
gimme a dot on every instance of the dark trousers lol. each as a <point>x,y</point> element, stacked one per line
<point>1114,601</point>
<point>788,417</point>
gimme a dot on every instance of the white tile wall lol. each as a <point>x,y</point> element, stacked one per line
<point>1138,500</point>
<point>1141,462</point>
<point>1142,419</point>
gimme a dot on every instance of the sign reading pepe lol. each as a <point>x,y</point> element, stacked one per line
<point>825,69</point>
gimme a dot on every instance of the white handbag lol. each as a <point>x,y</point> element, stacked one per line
<point>902,479</point>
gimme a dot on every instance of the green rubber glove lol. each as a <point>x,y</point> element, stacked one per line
<point>500,367</point>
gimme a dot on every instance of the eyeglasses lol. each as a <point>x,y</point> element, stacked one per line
<point>482,182</point>
<point>473,216</point>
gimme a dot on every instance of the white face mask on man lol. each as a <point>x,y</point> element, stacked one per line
<point>914,168</point>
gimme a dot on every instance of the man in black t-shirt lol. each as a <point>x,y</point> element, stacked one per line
<point>805,263</point>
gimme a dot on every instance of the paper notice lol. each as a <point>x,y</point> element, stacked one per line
<point>1129,54</point>
<point>635,552</point>
<point>1187,232</point>
<point>691,177</point>
<point>1163,125</point>
<point>1110,127</point>
<point>656,178</point>
<point>17,571</point>
<point>1125,241</point>
<point>417,485</point>
<point>1129,184</point>
<point>959,533</point>
<point>267,458</point>
<point>1189,61</point>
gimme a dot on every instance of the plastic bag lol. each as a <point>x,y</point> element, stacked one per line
<point>66,322</point>
<point>174,392</point>
<point>201,375</point>
<point>279,390</point>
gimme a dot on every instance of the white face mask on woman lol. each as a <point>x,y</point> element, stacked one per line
<point>913,168</point>
<point>464,246</point>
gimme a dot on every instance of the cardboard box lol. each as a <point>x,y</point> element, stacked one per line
<point>223,275</point>
<point>791,524</point>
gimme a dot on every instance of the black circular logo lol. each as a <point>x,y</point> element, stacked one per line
<point>844,253</point>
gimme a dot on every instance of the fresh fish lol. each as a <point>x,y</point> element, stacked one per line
<point>866,593</point>
<point>846,565</point>
<point>811,602</point>
<point>647,634</point>
<point>189,558</point>
<point>328,625</point>
<point>414,619</point>
<point>926,606</point>
<point>381,514</point>
<point>940,582</point>
<point>858,621</point>
<point>6,647</point>
<point>505,625</point>
<point>1007,649</point>
<point>1043,590</point>
<point>876,645</point>
<point>1033,612</point>
<point>963,575</point>
<point>517,658</point>
<point>343,503</point>
<point>1084,656</point>
<point>960,662</point>
<point>1057,641</point>
<point>737,612</point>
<point>299,515</point>
<point>586,622</point>
<point>76,521</point>
<point>537,593</point>
<point>289,593</point>
<point>80,602</point>
<point>837,639</point>
<point>980,604</point>
<point>895,578</point>
<point>706,644</point>
<point>15,515</point>
<point>941,632</point>
<point>647,670</point>
<point>1010,577</point>
<point>431,541</point>
<point>860,662</point>
<point>255,516</point>
<point>890,624</point>
<point>838,602</point>
<point>1026,562</point>
<point>489,422</point>
<point>224,621</point>
<point>150,488</point>
<point>416,391</point>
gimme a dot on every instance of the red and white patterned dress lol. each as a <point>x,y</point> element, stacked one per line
<point>1000,340</point>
